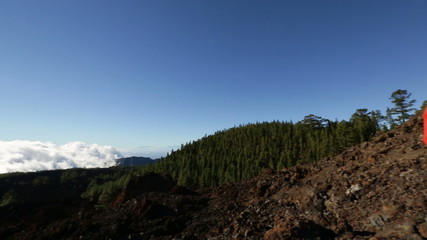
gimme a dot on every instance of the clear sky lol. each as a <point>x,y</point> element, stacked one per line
<point>147,76</point>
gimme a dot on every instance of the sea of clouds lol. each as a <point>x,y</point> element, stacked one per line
<point>29,156</point>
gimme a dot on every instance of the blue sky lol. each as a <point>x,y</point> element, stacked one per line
<point>147,76</point>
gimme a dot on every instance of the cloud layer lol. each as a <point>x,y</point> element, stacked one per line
<point>28,156</point>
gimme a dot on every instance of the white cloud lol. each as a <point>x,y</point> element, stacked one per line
<point>28,156</point>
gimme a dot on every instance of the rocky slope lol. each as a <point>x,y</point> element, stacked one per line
<point>377,190</point>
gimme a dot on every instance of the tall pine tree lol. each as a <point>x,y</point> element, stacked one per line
<point>403,107</point>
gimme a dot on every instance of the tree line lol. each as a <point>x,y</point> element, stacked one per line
<point>242,152</point>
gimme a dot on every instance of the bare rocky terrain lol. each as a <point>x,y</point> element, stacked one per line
<point>376,190</point>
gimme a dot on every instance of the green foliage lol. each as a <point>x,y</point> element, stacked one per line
<point>242,152</point>
<point>9,198</point>
<point>69,176</point>
<point>364,125</point>
<point>98,185</point>
<point>403,107</point>
<point>12,174</point>
<point>102,189</point>
<point>40,180</point>
<point>424,105</point>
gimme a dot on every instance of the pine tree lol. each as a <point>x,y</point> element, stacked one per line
<point>363,125</point>
<point>379,120</point>
<point>402,109</point>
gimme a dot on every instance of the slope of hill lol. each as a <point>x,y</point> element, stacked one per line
<point>242,152</point>
<point>376,190</point>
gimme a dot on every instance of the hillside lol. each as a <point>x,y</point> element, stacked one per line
<point>376,190</point>
<point>242,152</point>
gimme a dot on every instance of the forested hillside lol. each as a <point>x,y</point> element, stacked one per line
<point>242,152</point>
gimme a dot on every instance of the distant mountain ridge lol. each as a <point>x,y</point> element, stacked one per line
<point>134,161</point>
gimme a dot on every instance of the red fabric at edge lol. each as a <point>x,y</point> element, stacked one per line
<point>425,126</point>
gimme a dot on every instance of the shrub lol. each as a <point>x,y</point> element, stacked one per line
<point>9,198</point>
